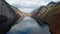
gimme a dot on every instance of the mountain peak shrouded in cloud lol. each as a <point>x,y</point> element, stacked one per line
<point>29,4</point>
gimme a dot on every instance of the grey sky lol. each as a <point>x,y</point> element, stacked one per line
<point>28,5</point>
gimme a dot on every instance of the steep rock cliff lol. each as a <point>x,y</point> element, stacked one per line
<point>51,16</point>
<point>8,17</point>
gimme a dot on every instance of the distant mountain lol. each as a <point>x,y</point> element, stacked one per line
<point>51,3</point>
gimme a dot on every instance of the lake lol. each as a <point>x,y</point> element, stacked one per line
<point>28,26</point>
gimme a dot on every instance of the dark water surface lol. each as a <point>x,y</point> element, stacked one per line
<point>28,26</point>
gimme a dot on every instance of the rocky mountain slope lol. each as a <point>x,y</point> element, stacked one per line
<point>8,17</point>
<point>49,16</point>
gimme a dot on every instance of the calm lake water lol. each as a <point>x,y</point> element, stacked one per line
<point>28,26</point>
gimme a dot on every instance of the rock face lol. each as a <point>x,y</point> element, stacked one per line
<point>8,17</point>
<point>51,17</point>
<point>37,13</point>
<point>3,19</point>
<point>22,14</point>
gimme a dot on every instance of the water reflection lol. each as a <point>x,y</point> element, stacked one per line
<point>28,26</point>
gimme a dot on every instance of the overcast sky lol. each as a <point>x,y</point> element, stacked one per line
<point>29,5</point>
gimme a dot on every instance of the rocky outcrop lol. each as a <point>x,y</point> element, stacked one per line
<point>22,14</point>
<point>8,17</point>
<point>3,19</point>
<point>51,16</point>
<point>37,13</point>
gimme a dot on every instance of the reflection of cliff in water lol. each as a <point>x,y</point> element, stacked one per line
<point>28,26</point>
<point>49,15</point>
<point>8,17</point>
<point>39,13</point>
